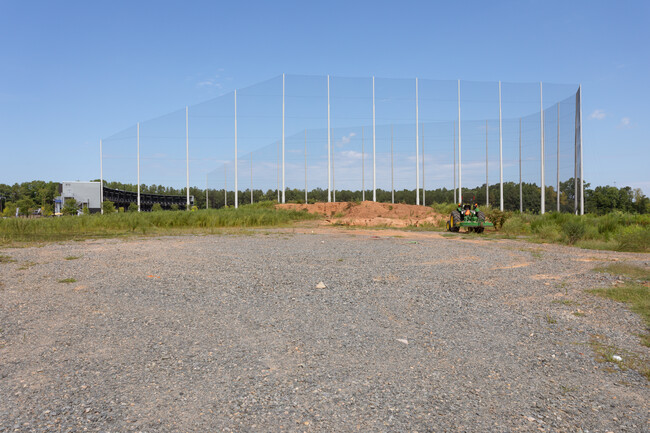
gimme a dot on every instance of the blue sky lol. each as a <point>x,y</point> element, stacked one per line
<point>74,72</point>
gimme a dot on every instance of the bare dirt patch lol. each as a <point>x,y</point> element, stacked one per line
<point>369,214</point>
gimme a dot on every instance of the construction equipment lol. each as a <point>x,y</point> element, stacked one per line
<point>470,216</point>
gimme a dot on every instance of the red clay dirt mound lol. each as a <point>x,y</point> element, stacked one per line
<point>369,213</point>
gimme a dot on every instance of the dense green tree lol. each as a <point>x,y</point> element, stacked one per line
<point>108,207</point>
<point>601,199</point>
<point>70,207</point>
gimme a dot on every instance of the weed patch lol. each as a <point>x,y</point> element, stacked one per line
<point>26,266</point>
<point>622,358</point>
<point>626,270</point>
<point>68,281</point>
<point>6,259</point>
<point>550,320</point>
<point>635,292</point>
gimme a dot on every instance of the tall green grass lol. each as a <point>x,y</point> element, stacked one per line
<point>613,231</point>
<point>116,224</point>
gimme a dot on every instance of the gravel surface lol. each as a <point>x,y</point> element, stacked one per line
<point>412,332</point>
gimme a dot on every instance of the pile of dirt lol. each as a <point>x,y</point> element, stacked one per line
<point>370,213</point>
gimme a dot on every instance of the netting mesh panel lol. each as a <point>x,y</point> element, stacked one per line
<point>395,116</point>
<point>351,115</point>
<point>403,149</point>
<point>212,137</point>
<point>267,171</point>
<point>305,120</point>
<point>438,113</point>
<point>567,122</point>
<point>163,151</point>
<point>120,165</point>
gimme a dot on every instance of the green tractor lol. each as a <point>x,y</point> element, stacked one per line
<point>467,215</point>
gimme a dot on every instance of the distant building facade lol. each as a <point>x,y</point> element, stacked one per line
<point>89,194</point>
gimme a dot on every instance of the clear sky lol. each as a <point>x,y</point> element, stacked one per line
<point>72,72</point>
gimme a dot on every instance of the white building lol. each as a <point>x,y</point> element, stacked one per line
<point>85,193</point>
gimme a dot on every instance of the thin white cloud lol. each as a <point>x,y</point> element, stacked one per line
<point>347,138</point>
<point>625,123</point>
<point>598,114</point>
<point>214,82</point>
<point>350,154</point>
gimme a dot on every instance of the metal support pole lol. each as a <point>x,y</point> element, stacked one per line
<point>543,186</point>
<point>283,186</point>
<point>417,147</point>
<point>138,166</point>
<point>557,190</point>
<point>374,154</point>
<point>278,170</point>
<point>424,190</point>
<point>236,183</point>
<point>460,163</point>
<point>500,153</point>
<point>392,176</point>
<point>454,130</point>
<point>575,155</point>
<point>251,177</point>
<point>101,179</point>
<point>305,166</point>
<point>225,185</point>
<point>206,193</point>
<point>333,178</point>
<point>582,175</point>
<point>187,156</point>
<point>329,146</point>
<point>521,195</point>
<point>363,169</point>
<point>487,191</point>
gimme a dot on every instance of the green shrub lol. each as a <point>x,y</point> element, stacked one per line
<point>634,239</point>
<point>609,223</point>
<point>574,230</point>
<point>515,226</point>
<point>9,210</point>
<point>591,232</point>
<point>156,207</point>
<point>108,207</point>
<point>133,207</point>
<point>549,232</point>
<point>444,208</point>
<point>497,217</point>
<point>70,207</point>
<point>174,207</point>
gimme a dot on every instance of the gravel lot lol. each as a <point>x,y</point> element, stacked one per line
<point>413,332</point>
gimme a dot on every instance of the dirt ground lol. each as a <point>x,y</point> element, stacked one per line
<point>369,214</point>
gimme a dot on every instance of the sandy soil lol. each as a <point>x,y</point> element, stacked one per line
<point>370,214</point>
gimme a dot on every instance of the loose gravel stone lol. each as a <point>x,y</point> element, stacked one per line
<point>227,333</point>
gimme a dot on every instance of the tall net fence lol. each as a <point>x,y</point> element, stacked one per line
<point>320,138</point>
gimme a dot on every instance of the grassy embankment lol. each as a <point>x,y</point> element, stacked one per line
<point>145,223</point>
<point>616,231</point>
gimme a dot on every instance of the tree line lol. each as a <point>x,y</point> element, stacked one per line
<point>29,196</point>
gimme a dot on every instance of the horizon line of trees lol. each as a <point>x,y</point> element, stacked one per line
<point>28,196</point>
